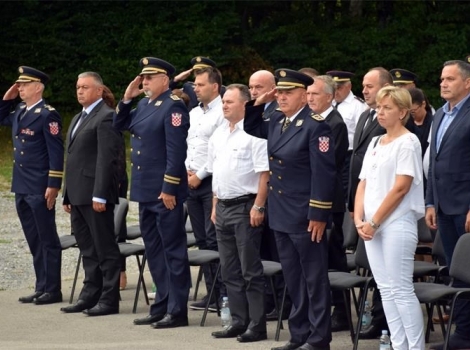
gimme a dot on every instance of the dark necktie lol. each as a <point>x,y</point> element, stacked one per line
<point>23,113</point>
<point>370,118</point>
<point>80,120</point>
<point>285,125</point>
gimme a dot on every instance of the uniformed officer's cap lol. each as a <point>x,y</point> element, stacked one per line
<point>200,62</point>
<point>152,65</point>
<point>403,76</point>
<point>467,59</point>
<point>288,79</point>
<point>29,74</point>
<point>340,76</point>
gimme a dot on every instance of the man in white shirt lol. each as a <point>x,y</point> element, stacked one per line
<point>239,163</point>
<point>204,119</point>
<point>350,107</point>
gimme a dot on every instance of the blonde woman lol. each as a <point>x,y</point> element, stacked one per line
<point>389,201</point>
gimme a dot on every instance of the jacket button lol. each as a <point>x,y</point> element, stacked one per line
<point>279,191</point>
<point>280,161</point>
<point>271,158</point>
<point>279,177</point>
<point>271,187</point>
<point>138,167</point>
<point>138,152</point>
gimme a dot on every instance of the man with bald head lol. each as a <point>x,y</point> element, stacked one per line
<point>262,82</point>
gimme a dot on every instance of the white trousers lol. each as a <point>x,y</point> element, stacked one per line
<point>391,255</point>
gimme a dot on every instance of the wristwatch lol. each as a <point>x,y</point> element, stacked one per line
<point>260,209</point>
<point>373,224</point>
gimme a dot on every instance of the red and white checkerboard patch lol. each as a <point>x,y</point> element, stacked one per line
<point>323,143</point>
<point>54,128</point>
<point>176,119</point>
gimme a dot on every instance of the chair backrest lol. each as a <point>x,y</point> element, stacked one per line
<point>349,232</point>
<point>424,233</point>
<point>459,264</point>
<point>361,256</point>
<point>120,212</point>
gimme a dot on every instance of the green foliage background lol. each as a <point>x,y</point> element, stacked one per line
<point>65,38</point>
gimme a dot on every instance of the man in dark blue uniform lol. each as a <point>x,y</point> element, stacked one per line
<point>159,128</point>
<point>301,189</point>
<point>37,177</point>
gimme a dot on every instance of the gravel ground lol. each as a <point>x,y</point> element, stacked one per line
<point>16,265</point>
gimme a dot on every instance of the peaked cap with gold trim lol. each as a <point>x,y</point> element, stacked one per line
<point>200,62</point>
<point>29,74</point>
<point>152,65</point>
<point>340,76</point>
<point>403,76</point>
<point>288,79</point>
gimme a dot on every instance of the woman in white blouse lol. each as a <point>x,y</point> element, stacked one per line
<point>388,203</point>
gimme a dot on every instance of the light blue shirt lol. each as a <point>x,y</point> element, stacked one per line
<point>447,119</point>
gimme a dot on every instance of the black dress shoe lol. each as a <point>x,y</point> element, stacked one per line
<point>339,322</point>
<point>229,332</point>
<point>170,321</point>
<point>372,332</point>
<point>308,346</point>
<point>251,336</point>
<point>48,298</point>
<point>79,306</point>
<point>288,346</point>
<point>102,310</point>
<point>30,298</point>
<point>148,320</point>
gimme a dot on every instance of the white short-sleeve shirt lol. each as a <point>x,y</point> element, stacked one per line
<point>381,164</point>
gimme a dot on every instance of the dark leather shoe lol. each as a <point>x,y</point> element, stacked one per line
<point>339,322</point>
<point>251,336</point>
<point>372,332</point>
<point>148,320</point>
<point>170,321</point>
<point>288,346</point>
<point>30,298</point>
<point>48,298</point>
<point>79,306</point>
<point>308,346</point>
<point>102,310</point>
<point>229,332</point>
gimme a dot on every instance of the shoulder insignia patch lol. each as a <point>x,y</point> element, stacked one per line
<point>359,99</point>
<point>317,117</point>
<point>174,97</point>
<point>49,107</point>
<point>278,109</point>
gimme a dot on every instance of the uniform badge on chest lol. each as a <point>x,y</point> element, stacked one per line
<point>176,119</point>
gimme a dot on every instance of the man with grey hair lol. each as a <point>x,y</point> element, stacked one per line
<point>90,194</point>
<point>448,188</point>
<point>239,164</point>
<point>320,96</point>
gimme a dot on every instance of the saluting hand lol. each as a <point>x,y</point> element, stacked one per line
<point>183,75</point>
<point>266,97</point>
<point>133,89</point>
<point>12,93</point>
<point>316,229</point>
<point>169,201</point>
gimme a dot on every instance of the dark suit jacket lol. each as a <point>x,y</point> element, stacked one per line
<point>362,139</point>
<point>302,167</point>
<point>340,135</point>
<point>448,186</point>
<point>91,168</point>
<point>37,144</point>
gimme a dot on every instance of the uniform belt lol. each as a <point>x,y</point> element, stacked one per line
<point>237,200</point>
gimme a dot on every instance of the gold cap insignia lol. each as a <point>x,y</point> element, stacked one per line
<point>20,70</point>
<point>398,74</point>
<point>282,73</point>
<point>299,122</point>
<point>198,59</point>
<point>145,61</point>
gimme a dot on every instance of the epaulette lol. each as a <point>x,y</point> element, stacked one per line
<point>49,107</point>
<point>359,99</point>
<point>174,97</point>
<point>317,117</point>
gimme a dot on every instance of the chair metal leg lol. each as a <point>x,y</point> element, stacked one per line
<point>347,304</point>
<point>140,281</point>
<point>77,269</point>
<point>214,281</point>
<point>198,280</point>
<point>279,320</point>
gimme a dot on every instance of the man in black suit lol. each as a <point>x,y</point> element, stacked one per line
<point>91,191</point>
<point>367,128</point>
<point>320,97</point>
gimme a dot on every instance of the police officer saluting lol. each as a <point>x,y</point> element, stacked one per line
<point>301,189</point>
<point>37,177</point>
<point>159,128</point>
